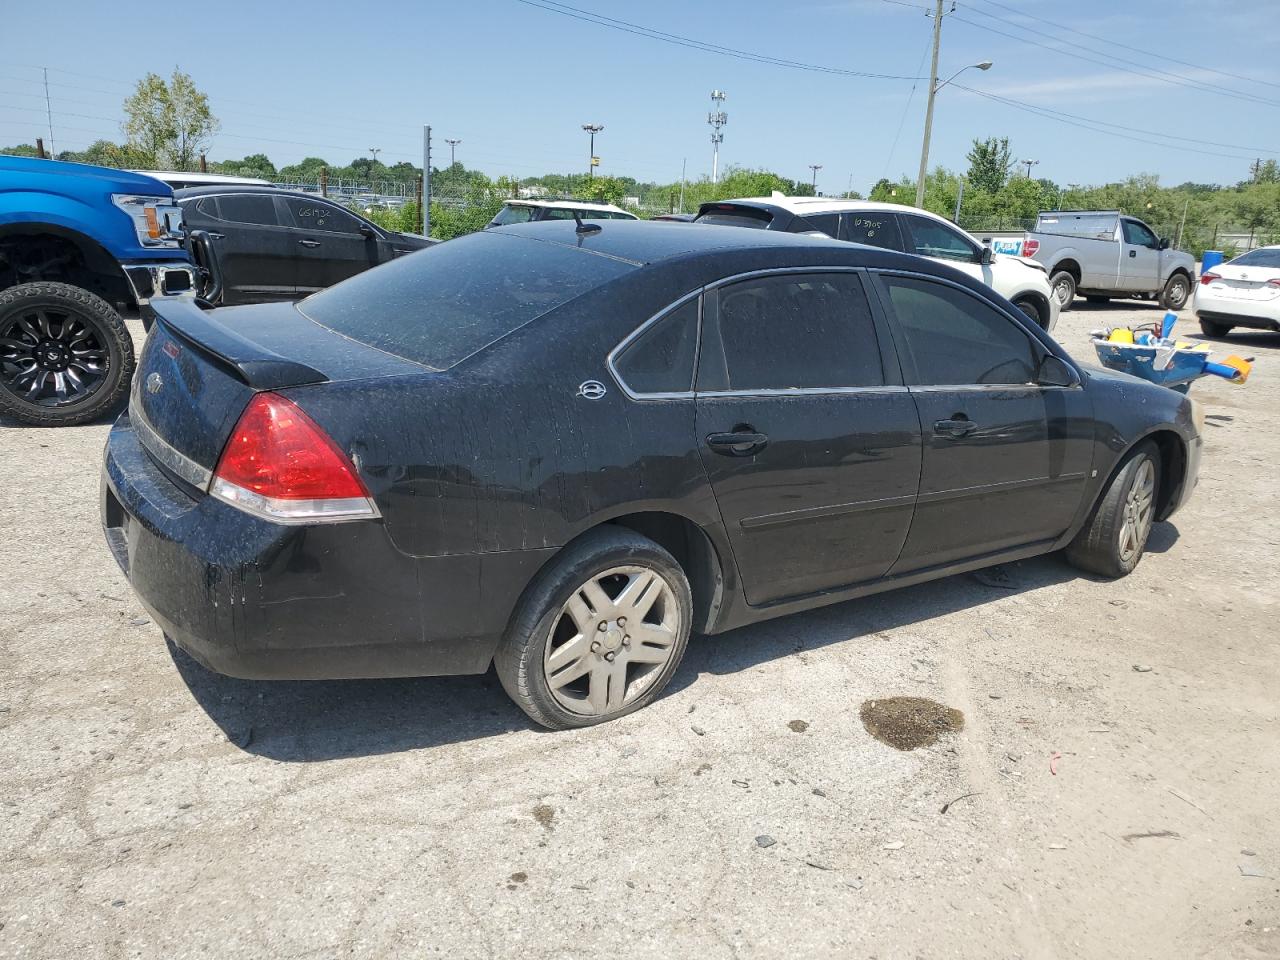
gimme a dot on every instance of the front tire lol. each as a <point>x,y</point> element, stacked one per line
<point>66,357</point>
<point>1211,328</point>
<point>1113,541</point>
<point>600,632</point>
<point>1028,306</point>
<point>1176,292</point>
<point>1064,289</point>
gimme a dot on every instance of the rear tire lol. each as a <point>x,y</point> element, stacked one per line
<point>66,357</point>
<point>1113,541</point>
<point>1064,289</point>
<point>1211,328</point>
<point>570,658</point>
<point>1176,292</point>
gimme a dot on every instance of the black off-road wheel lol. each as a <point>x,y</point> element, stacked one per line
<point>599,633</point>
<point>1113,541</point>
<point>1211,328</point>
<point>1063,284</point>
<point>66,357</point>
<point>1176,292</point>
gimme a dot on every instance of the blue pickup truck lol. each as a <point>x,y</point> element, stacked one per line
<point>81,248</point>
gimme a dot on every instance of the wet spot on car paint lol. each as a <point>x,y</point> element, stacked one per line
<point>907,723</point>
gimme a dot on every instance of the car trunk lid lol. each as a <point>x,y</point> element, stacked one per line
<point>199,369</point>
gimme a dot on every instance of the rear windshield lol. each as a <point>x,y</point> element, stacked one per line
<point>727,216</point>
<point>1266,257</point>
<point>440,305</point>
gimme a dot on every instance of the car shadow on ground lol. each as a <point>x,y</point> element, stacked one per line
<point>307,721</point>
<point>1084,306</point>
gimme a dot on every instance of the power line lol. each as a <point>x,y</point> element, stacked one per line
<point>1124,46</point>
<point>1072,120</point>
<point>586,16</point>
<point>906,109</point>
<point>1150,73</point>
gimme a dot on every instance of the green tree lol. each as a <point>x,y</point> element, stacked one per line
<point>170,122</point>
<point>605,190</point>
<point>104,153</point>
<point>20,150</point>
<point>989,163</point>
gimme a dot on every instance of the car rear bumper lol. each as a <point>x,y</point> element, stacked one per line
<point>1238,311</point>
<point>259,600</point>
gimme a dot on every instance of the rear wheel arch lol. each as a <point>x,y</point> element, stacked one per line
<point>1069,266</point>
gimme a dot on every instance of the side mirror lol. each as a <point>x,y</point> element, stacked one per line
<point>986,256</point>
<point>368,232</point>
<point>1056,372</point>
<point>1164,243</point>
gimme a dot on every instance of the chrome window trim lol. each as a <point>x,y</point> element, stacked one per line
<point>716,284</point>
<point>175,460</point>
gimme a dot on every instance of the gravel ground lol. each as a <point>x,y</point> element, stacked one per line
<point>152,809</point>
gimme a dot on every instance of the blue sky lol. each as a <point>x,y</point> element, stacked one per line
<point>516,82</point>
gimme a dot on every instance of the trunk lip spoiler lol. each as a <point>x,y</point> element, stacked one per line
<point>254,365</point>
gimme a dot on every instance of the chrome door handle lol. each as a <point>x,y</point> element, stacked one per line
<point>309,243</point>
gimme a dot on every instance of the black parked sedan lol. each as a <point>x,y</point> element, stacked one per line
<point>563,448</point>
<point>276,245</point>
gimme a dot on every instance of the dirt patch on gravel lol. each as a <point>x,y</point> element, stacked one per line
<point>906,723</point>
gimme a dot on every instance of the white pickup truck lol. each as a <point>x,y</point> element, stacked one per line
<point>1101,254</point>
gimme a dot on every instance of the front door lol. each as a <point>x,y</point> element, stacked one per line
<point>1139,257</point>
<point>329,244</point>
<point>1004,459</point>
<point>812,451</point>
<point>936,240</point>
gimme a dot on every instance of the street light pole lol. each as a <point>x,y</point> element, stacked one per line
<point>593,129</point>
<point>934,87</point>
<point>375,151</point>
<point>453,144</point>
<point>815,167</point>
<point>1030,164</point>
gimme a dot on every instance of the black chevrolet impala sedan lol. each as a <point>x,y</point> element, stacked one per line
<point>562,448</point>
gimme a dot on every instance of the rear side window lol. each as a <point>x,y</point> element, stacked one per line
<point>873,229</point>
<point>729,216</point>
<point>660,360</point>
<point>828,223</point>
<point>510,214</point>
<point>442,304</point>
<point>248,208</point>
<point>955,338</point>
<point>792,331</point>
<point>323,217</point>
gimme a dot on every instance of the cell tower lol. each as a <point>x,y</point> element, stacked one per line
<point>717,118</point>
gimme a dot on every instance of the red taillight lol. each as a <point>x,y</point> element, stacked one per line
<point>1274,283</point>
<point>280,466</point>
<point>1207,278</point>
<point>1030,248</point>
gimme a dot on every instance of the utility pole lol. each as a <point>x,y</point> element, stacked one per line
<point>928,113</point>
<point>683,161</point>
<point>453,145</point>
<point>593,129</point>
<point>48,109</point>
<point>43,156</point>
<point>815,167</point>
<point>1030,164</point>
<point>717,118</point>
<point>426,181</point>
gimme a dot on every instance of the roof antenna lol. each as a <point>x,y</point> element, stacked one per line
<point>585,228</point>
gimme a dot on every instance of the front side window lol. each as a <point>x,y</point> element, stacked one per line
<point>952,337</point>
<point>1137,234</point>
<point>323,217</point>
<point>873,229</point>
<point>791,331</point>
<point>929,238</point>
<point>660,360</point>
<point>248,208</point>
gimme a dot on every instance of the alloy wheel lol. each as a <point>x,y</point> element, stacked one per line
<point>1138,512</point>
<point>611,640</point>
<point>51,357</point>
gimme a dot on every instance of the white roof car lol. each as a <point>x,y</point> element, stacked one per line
<point>1244,292</point>
<point>180,180</point>
<point>1020,280</point>
<point>525,211</point>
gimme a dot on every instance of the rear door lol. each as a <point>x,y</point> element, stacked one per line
<point>1004,459</point>
<point>329,244</point>
<point>1140,257</point>
<point>253,246</point>
<point>811,443</point>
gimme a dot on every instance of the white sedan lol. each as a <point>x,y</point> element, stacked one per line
<point>1244,292</point>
